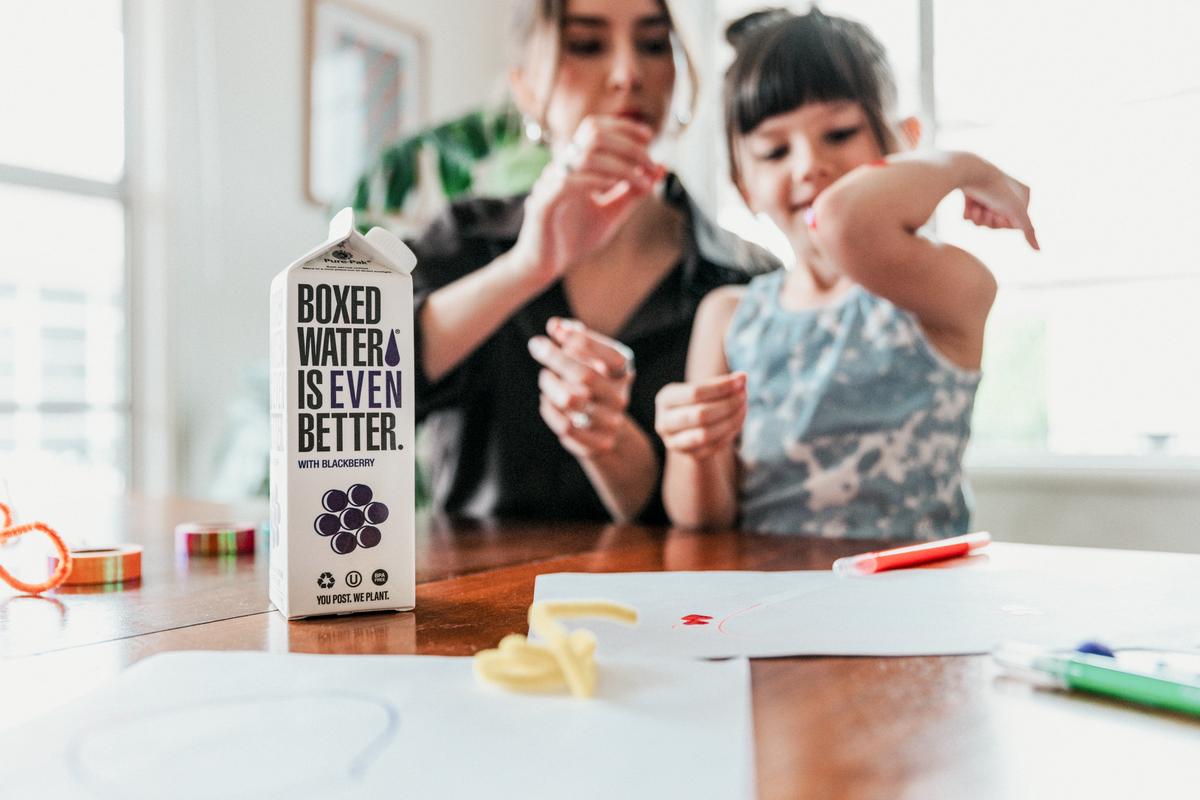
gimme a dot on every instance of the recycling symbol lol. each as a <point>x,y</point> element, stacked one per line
<point>325,581</point>
<point>351,518</point>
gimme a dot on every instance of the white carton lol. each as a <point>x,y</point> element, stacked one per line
<point>342,504</point>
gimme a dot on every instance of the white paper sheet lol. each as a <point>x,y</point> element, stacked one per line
<point>1070,595</point>
<point>258,726</point>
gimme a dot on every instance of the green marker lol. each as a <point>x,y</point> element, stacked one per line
<point>1101,675</point>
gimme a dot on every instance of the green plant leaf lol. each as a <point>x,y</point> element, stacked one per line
<point>400,171</point>
<point>491,136</point>
<point>467,133</point>
<point>454,168</point>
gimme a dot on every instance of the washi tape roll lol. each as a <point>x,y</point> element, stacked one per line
<point>215,538</point>
<point>93,565</point>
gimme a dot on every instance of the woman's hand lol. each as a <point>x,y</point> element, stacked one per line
<point>584,386</point>
<point>995,199</point>
<point>584,196</point>
<point>698,419</point>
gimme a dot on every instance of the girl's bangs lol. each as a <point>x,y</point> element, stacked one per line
<point>785,69</point>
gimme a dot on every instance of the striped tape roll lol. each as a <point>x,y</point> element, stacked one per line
<point>93,565</point>
<point>215,538</point>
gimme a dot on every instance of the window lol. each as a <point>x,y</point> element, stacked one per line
<point>63,307</point>
<point>1091,350</point>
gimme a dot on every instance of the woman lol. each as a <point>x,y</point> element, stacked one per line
<point>532,312</point>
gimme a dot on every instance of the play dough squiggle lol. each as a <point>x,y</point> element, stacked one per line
<point>566,657</point>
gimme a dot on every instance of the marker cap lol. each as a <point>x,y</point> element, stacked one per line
<point>851,566</point>
<point>1027,662</point>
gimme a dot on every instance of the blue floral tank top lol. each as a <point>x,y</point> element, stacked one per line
<point>856,425</point>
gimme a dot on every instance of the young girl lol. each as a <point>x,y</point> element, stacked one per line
<point>851,377</point>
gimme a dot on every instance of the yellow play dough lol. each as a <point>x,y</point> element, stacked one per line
<point>566,657</point>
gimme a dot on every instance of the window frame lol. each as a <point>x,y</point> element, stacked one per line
<point>115,190</point>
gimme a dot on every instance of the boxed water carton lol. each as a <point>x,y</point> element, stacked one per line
<point>342,502</point>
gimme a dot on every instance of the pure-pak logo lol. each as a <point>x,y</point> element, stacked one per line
<point>349,387</point>
<point>351,518</point>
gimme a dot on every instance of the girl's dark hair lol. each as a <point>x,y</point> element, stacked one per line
<point>531,18</point>
<point>783,61</point>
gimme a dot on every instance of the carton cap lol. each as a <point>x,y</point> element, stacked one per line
<point>382,244</point>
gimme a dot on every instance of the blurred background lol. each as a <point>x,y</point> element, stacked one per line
<point>161,161</point>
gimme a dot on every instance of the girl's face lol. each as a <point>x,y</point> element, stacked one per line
<point>791,158</point>
<point>615,58</point>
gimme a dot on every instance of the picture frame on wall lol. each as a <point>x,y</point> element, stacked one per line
<point>365,78</point>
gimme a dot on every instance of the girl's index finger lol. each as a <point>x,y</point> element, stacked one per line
<point>679,395</point>
<point>718,388</point>
<point>1031,236</point>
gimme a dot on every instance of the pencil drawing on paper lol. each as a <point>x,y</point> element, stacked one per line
<point>218,748</point>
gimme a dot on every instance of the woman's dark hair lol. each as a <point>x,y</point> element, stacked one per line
<point>784,60</point>
<point>532,18</point>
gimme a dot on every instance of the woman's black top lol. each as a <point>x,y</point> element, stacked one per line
<point>484,447</point>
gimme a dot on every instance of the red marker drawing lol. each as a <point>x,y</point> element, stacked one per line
<point>696,619</point>
<point>911,556</point>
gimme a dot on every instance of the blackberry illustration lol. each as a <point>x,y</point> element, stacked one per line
<point>334,500</point>
<point>351,518</point>
<point>369,536</point>
<point>327,524</point>
<point>376,513</point>
<point>344,542</point>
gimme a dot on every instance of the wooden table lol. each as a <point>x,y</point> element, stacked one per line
<point>824,727</point>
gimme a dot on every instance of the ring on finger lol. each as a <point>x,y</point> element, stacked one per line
<point>570,157</point>
<point>582,420</point>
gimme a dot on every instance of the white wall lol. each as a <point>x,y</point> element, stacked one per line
<point>216,184</point>
<point>1126,508</point>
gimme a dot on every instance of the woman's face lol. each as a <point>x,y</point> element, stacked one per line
<point>615,59</point>
<point>790,158</point>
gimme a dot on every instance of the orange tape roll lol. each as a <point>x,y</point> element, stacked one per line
<point>215,538</point>
<point>92,565</point>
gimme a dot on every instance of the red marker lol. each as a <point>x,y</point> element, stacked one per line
<point>911,556</point>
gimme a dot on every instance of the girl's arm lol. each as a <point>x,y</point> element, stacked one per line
<point>866,226</point>
<point>699,421</point>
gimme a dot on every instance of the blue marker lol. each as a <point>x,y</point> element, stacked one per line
<point>1096,649</point>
